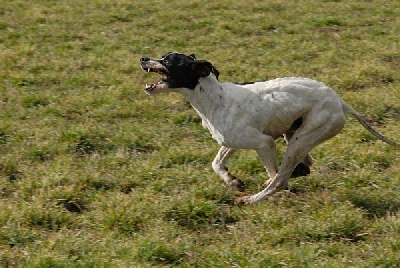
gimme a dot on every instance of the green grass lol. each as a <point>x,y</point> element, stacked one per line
<point>94,173</point>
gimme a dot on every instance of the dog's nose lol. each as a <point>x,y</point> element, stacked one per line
<point>143,59</point>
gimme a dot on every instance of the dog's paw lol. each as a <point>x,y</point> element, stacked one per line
<point>300,170</point>
<point>237,185</point>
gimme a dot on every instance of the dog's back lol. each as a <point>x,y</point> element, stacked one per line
<point>284,83</point>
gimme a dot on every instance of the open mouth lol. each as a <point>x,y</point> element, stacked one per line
<point>162,84</point>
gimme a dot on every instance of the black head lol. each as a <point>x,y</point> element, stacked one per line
<point>178,71</point>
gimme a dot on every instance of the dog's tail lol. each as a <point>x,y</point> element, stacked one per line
<point>348,110</point>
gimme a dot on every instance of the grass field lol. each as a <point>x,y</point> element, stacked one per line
<point>94,173</point>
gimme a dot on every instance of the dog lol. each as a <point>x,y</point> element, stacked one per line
<point>252,116</point>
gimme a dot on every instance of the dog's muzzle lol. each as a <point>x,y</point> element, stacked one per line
<point>153,65</point>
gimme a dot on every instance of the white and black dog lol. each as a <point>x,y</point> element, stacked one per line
<point>252,116</point>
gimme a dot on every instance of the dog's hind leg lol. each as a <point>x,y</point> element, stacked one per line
<point>303,168</point>
<point>219,167</point>
<point>320,127</point>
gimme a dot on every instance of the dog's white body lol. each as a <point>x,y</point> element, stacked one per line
<point>252,116</point>
<point>235,114</point>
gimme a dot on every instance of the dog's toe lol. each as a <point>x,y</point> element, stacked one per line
<point>300,170</point>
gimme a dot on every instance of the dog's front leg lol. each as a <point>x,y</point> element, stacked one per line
<point>219,167</point>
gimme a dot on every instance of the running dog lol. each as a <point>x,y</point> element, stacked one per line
<point>252,116</point>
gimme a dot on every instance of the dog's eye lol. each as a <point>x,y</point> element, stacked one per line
<point>166,62</point>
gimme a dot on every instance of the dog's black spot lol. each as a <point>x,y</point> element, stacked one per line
<point>300,170</point>
<point>296,124</point>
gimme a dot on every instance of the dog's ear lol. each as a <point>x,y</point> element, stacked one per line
<point>193,56</point>
<point>166,54</point>
<point>203,68</point>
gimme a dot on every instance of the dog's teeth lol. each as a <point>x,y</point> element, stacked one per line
<point>148,70</point>
<point>147,85</point>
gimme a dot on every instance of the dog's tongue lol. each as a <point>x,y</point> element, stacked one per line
<point>149,88</point>
<point>152,88</point>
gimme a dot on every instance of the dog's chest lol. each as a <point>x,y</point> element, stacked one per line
<point>224,135</point>
<point>229,129</point>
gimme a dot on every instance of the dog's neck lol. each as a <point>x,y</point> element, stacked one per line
<point>207,97</point>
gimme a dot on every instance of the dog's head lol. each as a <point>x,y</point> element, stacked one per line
<point>178,71</point>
